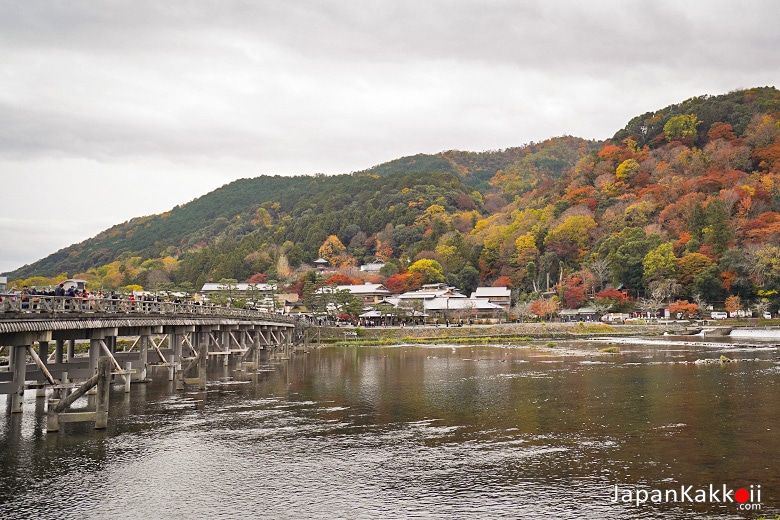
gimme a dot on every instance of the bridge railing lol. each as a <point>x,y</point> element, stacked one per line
<point>21,305</point>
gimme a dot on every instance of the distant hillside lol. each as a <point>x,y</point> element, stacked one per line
<point>682,202</point>
<point>229,211</point>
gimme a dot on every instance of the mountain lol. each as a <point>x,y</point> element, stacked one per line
<point>688,195</point>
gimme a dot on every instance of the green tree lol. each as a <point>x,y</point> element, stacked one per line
<point>659,263</point>
<point>718,232</point>
<point>626,253</point>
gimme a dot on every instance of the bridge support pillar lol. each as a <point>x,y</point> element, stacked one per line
<point>71,350</point>
<point>203,357</point>
<point>58,350</point>
<point>43,354</point>
<point>226,347</point>
<point>19,367</point>
<point>144,353</point>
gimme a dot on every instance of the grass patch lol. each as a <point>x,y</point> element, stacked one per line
<point>610,350</point>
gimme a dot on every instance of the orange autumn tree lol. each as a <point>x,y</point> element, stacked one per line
<point>545,307</point>
<point>733,304</point>
<point>684,308</point>
<point>335,252</point>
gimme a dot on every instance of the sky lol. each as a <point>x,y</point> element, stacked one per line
<point>111,110</point>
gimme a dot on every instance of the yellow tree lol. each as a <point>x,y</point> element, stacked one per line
<point>335,253</point>
<point>431,270</point>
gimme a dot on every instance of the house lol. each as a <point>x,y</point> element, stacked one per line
<point>581,314</point>
<point>373,267</point>
<point>461,308</point>
<point>261,295</point>
<point>501,296</point>
<point>431,291</point>
<point>442,301</point>
<point>369,293</point>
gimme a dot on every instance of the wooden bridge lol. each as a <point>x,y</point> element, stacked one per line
<point>178,336</point>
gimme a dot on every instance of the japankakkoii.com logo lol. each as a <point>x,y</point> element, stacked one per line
<point>745,498</point>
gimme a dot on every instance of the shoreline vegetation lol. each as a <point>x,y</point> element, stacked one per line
<point>483,334</point>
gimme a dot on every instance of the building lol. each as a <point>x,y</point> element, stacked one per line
<point>461,308</point>
<point>260,295</point>
<point>500,296</point>
<point>321,264</point>
<point>3,284</point>
<point>444,302</point>
<point>581,314</point>
<point>369,293</point>
<point>373,267</point>
<point>431,291</point>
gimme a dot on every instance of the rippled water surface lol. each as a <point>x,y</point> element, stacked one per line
<point>413,431</point>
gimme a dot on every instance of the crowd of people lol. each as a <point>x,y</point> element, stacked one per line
<point>31,298</point>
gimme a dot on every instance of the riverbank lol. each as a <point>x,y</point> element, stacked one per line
<point>487,333</point>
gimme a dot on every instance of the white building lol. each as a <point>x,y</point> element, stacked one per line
<point>501,296</point>
<point>369,293</point>
<point>442,301</point>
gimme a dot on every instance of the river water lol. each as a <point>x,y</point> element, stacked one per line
<point>523,431</point>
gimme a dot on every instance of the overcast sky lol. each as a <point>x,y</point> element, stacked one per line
<point>112,110</point>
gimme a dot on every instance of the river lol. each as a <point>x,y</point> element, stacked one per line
<point>515,431</point>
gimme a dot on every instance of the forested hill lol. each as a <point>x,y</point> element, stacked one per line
<point>688,195</point>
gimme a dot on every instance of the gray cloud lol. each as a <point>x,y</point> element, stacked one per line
<point>200,93</point>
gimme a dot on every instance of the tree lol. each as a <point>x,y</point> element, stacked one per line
<point>717,233</point>
<point>626,251</point>
<point>682,128</point>
<point>659,264</point>
<point>683,307</point>
<point>689,266</point>
<point>431,270</point>
<point>333,251</point>
<point>600,269</point>
<point>627,170</point>
<point>611,300</point>
<point>257,278</point>
<point>733,304</point>
<point>545,307</point>
<point>502,281</point>
<point>404,282</point>
<point>708,284</point>
<point>664,289</point>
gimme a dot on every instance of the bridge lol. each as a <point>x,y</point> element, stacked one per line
<point>179,337</point>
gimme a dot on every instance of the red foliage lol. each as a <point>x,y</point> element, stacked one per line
<point>404,282</point>
<point>464,202</point>
<point>503,281</point>
<point>573,297</point>
<point>679,245</point>
<point>612,152</point>
<point>706,250</point>
<point>258,278</point>
<point>297,287</point>
<point>342,279</point>
<point>612,294</point>
<point>735,178</point>
<point>720,130</point>
<point>640,180</point>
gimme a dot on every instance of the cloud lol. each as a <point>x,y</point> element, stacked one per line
<point>192,95</point>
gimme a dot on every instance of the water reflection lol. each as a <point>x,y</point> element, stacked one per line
<point>447,431</point>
